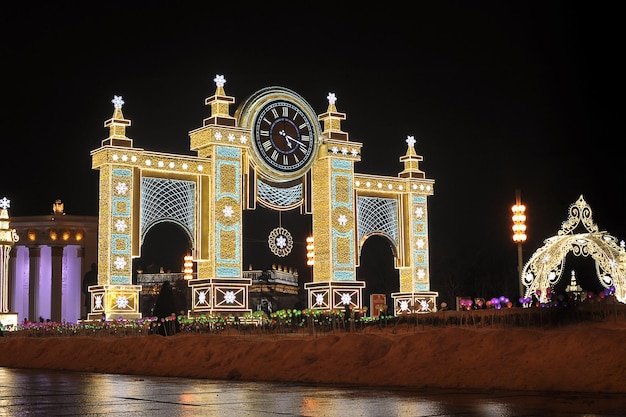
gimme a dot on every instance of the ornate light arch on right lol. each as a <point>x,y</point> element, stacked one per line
<point>545,267</point>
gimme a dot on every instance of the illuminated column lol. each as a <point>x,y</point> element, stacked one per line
<point>34,262</point>
<point>56,294</point>
<point>415,295</point>
<point>219,285</point>
<point>519,235</point>
<point>115,296</point>
<point>8,237</point>
<point>334,218</point>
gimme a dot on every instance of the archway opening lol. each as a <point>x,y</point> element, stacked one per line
<point>257,255</point>
<point>162,257</point>
<point>584,268</point>
<point>378,271</point>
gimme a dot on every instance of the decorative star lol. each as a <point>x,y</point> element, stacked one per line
<point>342,219</point>
<point>121,225</point>
<point>117,102</point>
<point>231,137</point>
<point>228,211</point>
<point>332,98</point>
<point>346,298</point>
<point>121,301</point>
<point>410,140</point>
<point>5,203</point>
<point>219,80</point>
<point>319,299</point>
<point>421,274</point>
<point>281,242</point>
<point>201,297</point>
<point>229,297</point>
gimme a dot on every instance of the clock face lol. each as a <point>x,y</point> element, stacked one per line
<point>284,136</point>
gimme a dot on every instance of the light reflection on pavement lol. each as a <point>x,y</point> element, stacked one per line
<point>49,393</point>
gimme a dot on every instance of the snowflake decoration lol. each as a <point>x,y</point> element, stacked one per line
<point>121,188</point>
<point>355,152</point>
<point>97,302</point>
<point>202,297</point>
<point>344,151</point>
<point>219,80</point>
<point>410,140</point>
<point>228,211</point>
<point>421,243</point>
<point>280,242</point>
<point>346,298</point>
<point>243,139</point>
<point>421,273</point>
<point>342,219</point>
<point>120,263</point>
<point>117,102</point>
<point>319,299</point>
<point>5,203</point>
<point>424,305</point>
<point>332,98</point>
<point>121,301</point>
<point>121,225</point>
<point>231,137</point>
<point>229,297</point>
<point>419,212</point>
<point>218,135</point>
<point>404,305</point>
<point>334,149</point>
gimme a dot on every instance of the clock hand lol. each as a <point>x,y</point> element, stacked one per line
<point>287,137</point>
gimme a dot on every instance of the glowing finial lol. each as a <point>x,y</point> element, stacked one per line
<point>332,98</point>
<point>117,102</point>
<point>219,80</point>
<point>5,203</point>
<point>410,140</point>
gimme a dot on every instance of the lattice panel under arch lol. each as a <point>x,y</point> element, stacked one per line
<point>168,200</point>
<point>377,215</point>
<point>279,198</point>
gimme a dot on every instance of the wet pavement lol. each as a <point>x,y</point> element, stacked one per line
<point>49,393</point>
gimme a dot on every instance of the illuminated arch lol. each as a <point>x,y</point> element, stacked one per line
<point>545,267</point>
<point>168,200</point>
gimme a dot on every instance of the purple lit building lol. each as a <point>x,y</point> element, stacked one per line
<point>48,263</point>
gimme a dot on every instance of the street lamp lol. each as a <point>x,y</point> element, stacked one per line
<point>519,234</point>
<point>188,267</point>
<point>310,251</point>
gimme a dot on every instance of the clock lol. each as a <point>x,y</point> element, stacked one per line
<point>284,136</point>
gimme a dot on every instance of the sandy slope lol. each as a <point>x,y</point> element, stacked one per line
<point>589,357</point>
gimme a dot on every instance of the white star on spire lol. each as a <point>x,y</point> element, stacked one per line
<point>219,80</point>
<point>410,140</point>
<point>332,98</point>
<point>117,102</point>
<point>5,203</point>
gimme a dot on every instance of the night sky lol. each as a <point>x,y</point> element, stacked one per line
<point>500,97</point>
